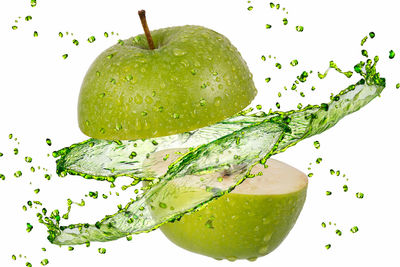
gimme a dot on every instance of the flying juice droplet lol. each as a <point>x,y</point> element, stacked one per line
<point>268,26</point>
<point>345,188</point>
<point>75,42</point>
<point>294,62</point>
<point>285,21</point>
<point>354,229</point>
<point>91,39</point>
<point>328,246</point>
<point>33,3</point>
<point>29,227</point>
<point>317,144</point>
<point>250,8</point>
<point>102,250</point>
<point>360,195</point>
<point>48,141</point>
<point>391,54</point>
<point>65,56</point>
<point>299,28</point>
<point>44,262</point>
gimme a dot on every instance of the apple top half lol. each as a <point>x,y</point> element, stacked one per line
<point>193,78</point>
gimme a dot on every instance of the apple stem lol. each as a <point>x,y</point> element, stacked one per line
<point>142,15</point>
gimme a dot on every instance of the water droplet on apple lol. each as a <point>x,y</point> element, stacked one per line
<point>178,52</point>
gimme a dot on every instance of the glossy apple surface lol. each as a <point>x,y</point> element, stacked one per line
<point>193,78</point>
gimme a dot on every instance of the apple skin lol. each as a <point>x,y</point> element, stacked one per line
<point>238,226</point>
<point>195,77</point>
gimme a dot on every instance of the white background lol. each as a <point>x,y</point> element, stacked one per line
<point>38,99</point>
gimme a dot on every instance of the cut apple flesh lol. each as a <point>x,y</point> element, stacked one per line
<point>277,179</point>
<point>247,223</point>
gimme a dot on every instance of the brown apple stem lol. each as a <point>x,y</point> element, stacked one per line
<point>142,15</point>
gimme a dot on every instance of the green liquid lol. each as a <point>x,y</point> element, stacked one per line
<point>253,136</point>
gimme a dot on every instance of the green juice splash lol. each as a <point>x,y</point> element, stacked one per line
<point>235,145</point>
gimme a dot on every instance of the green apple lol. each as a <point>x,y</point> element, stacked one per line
<point>193,78</point>
<point>247,223</point>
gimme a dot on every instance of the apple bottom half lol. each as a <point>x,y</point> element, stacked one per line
<point>238,226</point>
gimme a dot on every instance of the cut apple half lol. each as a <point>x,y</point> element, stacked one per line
<point>247,223</point>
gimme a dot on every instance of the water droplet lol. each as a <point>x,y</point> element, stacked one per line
<point>178,52</point>
<point>272,5</point>
<point>106,34</point>
<point>28,18</point>
<point>65,56</point>
<point>28,159</point>
<point>29,227</point>
<point>328,193</point>
<point>338,232</point>
<point>263,58</point>
<point>317,145</point>
<point>359,195</point>
<point>44,262</point>
<point>48,141</point>
<point>323,224</point>
<point>14,27</point>
<point>2,177</point>
<point>372,35</point>
<point>35,34</point>
<point>33,3</point>
<point>328,246</point>
<point>17,174</point>
<point>268,26</point>
<point>299,28</point>
<point>250,8</point>
<point>354,229</point>
<point>278,106</point>
<point>285,21</point>
<point>294,62</point>
<point>91,39</point>
<point>75,42</point>
<point>37,190</point>
<point>267,80</point>
<point>278,65</point>
<point>391,54</point>
<point>15,151</point>
<point>398,86</point>
<point>102,250</point>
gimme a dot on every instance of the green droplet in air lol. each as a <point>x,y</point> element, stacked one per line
<point>29,227</point>
<point>36,191</point>
<point>10,136</point>
<point>328,246</point>
<point>14,27</point>
<point>391,54</point>
<point>310,174</point>
<point>345,188</point>
<point>28,264</point>
<point>338,232</point>
<point>28,18</point>
<point>317,145</point>
<point>14,257</point>
<point>364,53</point>
<point>91,39</point>
<point>279,94</point>
<point>302,94</point>
<point>47,176</point>
<point>354,229</point>
<point>33,3</point>
<point>278,106</point>
<point>337,173</point>
<point>35,34</point>
<point>15,151</point>
<point>106,34</point>
<point>48,141</point>
<point>364,40</point>
<point>263,58</point>
<point>250,8</point>
<point>44,262</point>
<point>278,6</point>
<point>294,62</point>
<point>17,174</point>
<point>398,86</point>
<point>65,56</point>
<point>61,34</point>
<point>268,26</point>
<point>267,80</point>
<point>259,107</point>
<point>278,65</point>
<point>328,193</point>
<point>132,155</point>
<point>359,195</point>
<point>272,5</point>
<point>1,154</point>
<point>70,248</point>
<point>129,238</point>
<point>32,169</point>
<point>75,42</point>
<point>318,160</point>
<point>2,177</point>
<point>323,225</point>
<point>299,28</point>
<point>372,35</point>
<point>332,171</point>
<point>299,106</point>
<point>120,42</point>
<point>285,21</point>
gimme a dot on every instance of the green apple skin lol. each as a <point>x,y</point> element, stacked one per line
<point>195,77</point>
<point>238,226</point>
